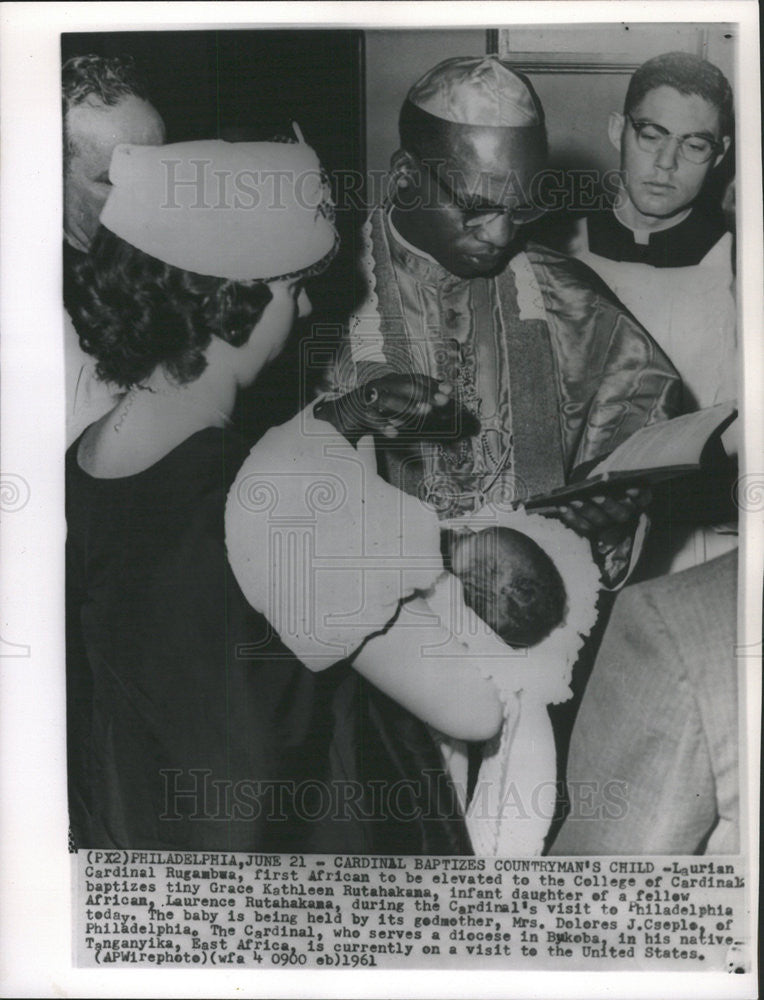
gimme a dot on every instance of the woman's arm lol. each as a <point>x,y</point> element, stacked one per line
<point>370,532</point>
<point>417,663</point>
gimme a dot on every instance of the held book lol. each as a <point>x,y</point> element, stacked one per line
<point>661,451</point>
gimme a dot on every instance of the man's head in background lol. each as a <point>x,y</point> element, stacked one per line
<point>676,126</point>
<point>105,103</point>
<point>472,141</point>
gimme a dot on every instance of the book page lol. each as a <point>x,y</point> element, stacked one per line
<point>673,442</point>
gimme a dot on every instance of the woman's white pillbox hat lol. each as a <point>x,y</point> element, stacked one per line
<point>242,211</point>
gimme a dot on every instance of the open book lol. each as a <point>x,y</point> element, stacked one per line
<point>661,451</point>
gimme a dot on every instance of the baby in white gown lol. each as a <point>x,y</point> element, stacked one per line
<point>330,553</point>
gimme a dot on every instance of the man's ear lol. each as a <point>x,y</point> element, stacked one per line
<point>726,143</point>
<point>615,128</point>
<point>402,168</point>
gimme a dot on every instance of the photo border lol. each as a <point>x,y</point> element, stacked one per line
<point>35,912</point>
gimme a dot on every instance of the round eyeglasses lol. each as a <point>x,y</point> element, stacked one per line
<point>696,147</point>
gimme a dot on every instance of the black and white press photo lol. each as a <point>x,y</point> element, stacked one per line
<point>408,500</point>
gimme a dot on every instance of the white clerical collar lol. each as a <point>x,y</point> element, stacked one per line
<point>405,243</point>
<point>642,235</point>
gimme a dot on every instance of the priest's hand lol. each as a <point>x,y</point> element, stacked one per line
<point>604,517</point>
<point>413,405</point>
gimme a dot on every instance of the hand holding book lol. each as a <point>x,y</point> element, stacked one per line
<point>603,515</point>
<point>665,450</point>
<point>606,496</point>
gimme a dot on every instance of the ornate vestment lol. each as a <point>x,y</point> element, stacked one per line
<point>554,367</point>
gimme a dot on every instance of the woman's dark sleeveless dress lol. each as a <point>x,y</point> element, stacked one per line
<point>190,725</point>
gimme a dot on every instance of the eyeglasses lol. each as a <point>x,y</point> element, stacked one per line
<point>477,214</point>
<point>696,147</point>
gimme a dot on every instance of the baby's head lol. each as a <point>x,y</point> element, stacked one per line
<point>509,581</point>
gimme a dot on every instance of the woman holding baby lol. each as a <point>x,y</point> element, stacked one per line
<point>226,705</point>
<point>190,723</point>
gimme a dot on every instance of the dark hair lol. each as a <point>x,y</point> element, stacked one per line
<point>133,312</point>
<point>688,74</point>
<point>524,608</point>
<point>110,79</point>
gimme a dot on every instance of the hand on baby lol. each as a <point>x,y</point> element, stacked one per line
<point>394,404</point>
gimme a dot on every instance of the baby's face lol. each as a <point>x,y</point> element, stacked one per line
<point>509,582</point>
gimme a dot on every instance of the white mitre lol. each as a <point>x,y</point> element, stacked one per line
<point>476,90</point>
